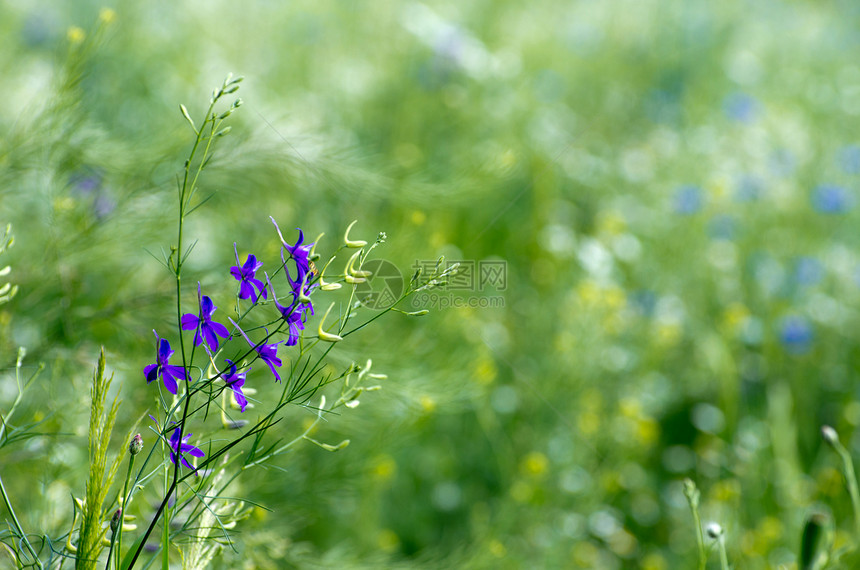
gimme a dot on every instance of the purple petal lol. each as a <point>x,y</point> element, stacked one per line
<point>259,285</point>
<point>246,291</point>
<point>220,329</point>
<point>207,307</point>
<point>211,339</point>
<point>174,371</point>
<point>251,266</point>
<point>240,398</point>
<point>169,383</point>
<point>151,372</point>
<point>190,321</point>
<point>275,372</point>
<point>164,351</point>
<point>193,451</point>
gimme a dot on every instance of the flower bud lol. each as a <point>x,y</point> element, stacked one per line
<point>714,531</point>
<point>114,521</point>
<point>352,243</point>
<point>829,434</point>
<point>136,445</point>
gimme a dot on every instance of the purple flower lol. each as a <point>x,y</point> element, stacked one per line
<point>169,373</point>
<point>749,189</point>
<point>204,325</point>
<point>235,382</point>
<point>294,314</point>
<point>183,448</point>
<point>268,353</point>
<point>246,277</point>
<point>741,107</point>
<point>796,334</point>
<point>831,199</point>
<point>300,253</point>
<point>688,200</point>
<point>808,271</point>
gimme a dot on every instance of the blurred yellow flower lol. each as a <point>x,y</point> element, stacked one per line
<point>387,540</point>
<point>584,554</point>
<point>418,217</point>
<point>610,480</point>
<point>497,549</point>
<point>630,408</point>
<point>428,403</point>
<point>534,464</point>
<point>647,431</point>
<point>107,15</point>
<point>484,370</point>
<point>654,561</point>
<point>771,529</point>
<point>76,35</point>
<point>611,222</point>
<point>720,188</point>
<point>726,490</point>
<point>384,468</point>
<point>623,543</point>
<point>588,293</point>
<point>735,316</point>
<point>615,298</point>
<point>64,203</point>
<point>668,334</point>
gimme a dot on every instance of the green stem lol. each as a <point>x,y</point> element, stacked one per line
<point>693,495</point>
<point>851,482</point>
<point>125,501</point>
<point>724,559</point>
<point>186,191</point>
<point>18,527</point>
<point>110,550</point>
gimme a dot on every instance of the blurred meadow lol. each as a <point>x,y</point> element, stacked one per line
<point>669,188</point>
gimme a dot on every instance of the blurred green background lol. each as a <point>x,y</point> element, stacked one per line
<point>672,186</point>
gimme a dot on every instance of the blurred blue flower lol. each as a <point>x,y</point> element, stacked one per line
<point>741,107</point>
<point>86,181</point>
<point>808,271</point>
<point>688,199</point>
<point>831,199</point>
<point>645,301</point>
<point>796,334</point>
<point>849,159</point>
<point>722,227</point>
<point>749,189</point>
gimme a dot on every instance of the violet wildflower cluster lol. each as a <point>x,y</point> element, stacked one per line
<point>209,333</point>
<point>216,354</point>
